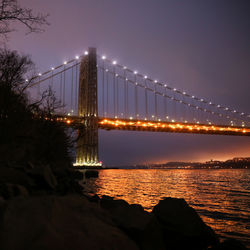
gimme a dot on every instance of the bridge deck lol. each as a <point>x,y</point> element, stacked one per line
<point>158,126</point>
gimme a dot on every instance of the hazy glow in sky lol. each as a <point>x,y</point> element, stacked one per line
<point>202,47</point>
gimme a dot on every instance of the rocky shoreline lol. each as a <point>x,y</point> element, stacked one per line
<point>43,208</point>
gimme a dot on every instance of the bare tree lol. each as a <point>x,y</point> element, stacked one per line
<point>11,11</point>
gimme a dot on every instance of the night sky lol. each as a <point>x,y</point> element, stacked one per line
<point>202,47</point>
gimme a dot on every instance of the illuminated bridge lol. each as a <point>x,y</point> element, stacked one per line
<point>94,92</point>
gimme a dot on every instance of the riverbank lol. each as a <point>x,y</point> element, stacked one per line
<point>44,208</point>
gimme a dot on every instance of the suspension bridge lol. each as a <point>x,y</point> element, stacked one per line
<point>95,92</point>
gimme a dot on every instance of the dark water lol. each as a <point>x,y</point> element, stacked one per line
<point>221,197</point>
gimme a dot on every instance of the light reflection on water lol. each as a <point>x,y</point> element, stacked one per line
<point>221,197</point>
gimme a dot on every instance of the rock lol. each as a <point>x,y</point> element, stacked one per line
<point>75,174</point>
<point>50,222</point>
<point>94,198</point>
<point>15,176</point>
<point>182,226</point>
<point>8,190</point>
<point>43,176</point>
<point>230,244</point>
<point>140,225</point>
<point>91,174</point>
<point>68,182</point>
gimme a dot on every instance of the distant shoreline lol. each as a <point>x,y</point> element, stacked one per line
<point>235,163</point>
<point>174,168</point>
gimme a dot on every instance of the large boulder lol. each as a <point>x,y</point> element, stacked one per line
<point>14,181</point>
<point>15,176</point>
<point>140,225</point>
<point>230,244</point>
<point>182,226</point>
<point>91,173</point>
<point>9,190</point>
<point>50,222</point>
<point>43,176</point>
<point>68,181</point>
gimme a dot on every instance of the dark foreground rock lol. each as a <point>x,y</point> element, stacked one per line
<point>43,208</point>
<point>91,174</point>
<point>37,179</point>
<point>74,222</point>
<point>65,223</point>
<point>138,224</point>
<point>182,227</point>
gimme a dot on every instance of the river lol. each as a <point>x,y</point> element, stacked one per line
<point>221,197</point>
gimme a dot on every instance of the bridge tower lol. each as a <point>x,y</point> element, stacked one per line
<point>87,145</point>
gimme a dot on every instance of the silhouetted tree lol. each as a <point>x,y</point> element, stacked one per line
<point>11,11</point>
<point>25,134</point>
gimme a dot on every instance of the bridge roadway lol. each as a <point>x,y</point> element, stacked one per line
<point>155,126</point>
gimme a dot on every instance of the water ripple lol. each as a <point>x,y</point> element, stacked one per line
<point>221,197</point>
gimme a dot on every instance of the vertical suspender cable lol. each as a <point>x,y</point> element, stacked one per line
<point>52,76</point>
<point>125,94</point>
<point>156,113</point>
<point>165,104</point>
<point>64,82</point>
<point>76,78</point>
<point>174,102</point>
<point>117,95</point>
<point>184,108</point>
<point>107,106</point>
<point>146,99</point>
<point>60,91</point>
<point>103,85</point>
<point>136,99</point>
<point>114,91</point>
<point>72,82</point>
<point>38,88</point>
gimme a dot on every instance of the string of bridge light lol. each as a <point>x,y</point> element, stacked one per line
<point>173,98</point>
<point>59,70</point>
<point>202,100</point>
<point>53,69</point>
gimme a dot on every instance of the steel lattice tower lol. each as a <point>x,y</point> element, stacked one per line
<point>87,145</point>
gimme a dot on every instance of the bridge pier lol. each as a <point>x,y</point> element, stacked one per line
<point>87,144</point>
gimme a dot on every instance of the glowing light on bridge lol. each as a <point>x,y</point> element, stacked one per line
<point>173,126</point>
<point>88,164</point>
